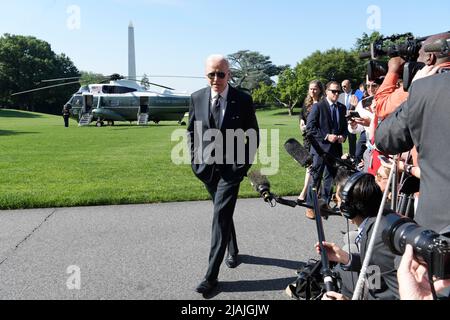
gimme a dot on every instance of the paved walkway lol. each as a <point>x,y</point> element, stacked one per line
<point>151,252</point>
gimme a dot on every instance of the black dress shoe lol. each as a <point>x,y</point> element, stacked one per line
<point>231,261</point>
<point>206,287</point>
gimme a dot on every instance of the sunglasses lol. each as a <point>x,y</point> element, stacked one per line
<point>335,91</point>
<point>220,75</point>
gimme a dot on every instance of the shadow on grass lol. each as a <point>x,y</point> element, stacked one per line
<point>285,113</point>
<point>6,133</point>
<point>7,113</point>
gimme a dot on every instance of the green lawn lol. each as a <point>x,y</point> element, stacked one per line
<point>43,164</point>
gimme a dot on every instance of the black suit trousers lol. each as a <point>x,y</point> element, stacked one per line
<point>224,194</point>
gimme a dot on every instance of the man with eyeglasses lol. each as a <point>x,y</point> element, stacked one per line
<point>347,98</point>
<point>220,108</point>
<point>328,125</point>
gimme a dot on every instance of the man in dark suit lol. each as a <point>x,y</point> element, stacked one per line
<point>359,198</point>
<point>347,98</point>
<point>328,125</point>
<point>423,121</point>
<point>226,114</point>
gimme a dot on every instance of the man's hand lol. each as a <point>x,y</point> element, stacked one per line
<point>354,101</point>
<point>413,279</point>
<point>334,296</point>
<point>365,122</point>
<point>332,138</point>
<point>396,65</point>
<point>334,253</point>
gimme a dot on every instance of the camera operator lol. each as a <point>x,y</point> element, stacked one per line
<point>391,94</point>
<point>413,279</point>
<point>422,121</point>
<point>359,198</point>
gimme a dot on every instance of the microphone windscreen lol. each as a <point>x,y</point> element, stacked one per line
<point>298,152</point>
<point>257,180</point>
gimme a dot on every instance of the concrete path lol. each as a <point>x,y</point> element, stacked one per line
<point>151,252</point>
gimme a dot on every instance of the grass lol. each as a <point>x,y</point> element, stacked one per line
<point>43,164</point>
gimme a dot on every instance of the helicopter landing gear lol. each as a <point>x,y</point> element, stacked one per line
<point>181,123</point>
<point>110,123</point>
<point>156,121</point>
<point>99,124</point>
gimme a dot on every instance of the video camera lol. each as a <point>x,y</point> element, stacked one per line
<point>409,50</point>
<point>429,247</point>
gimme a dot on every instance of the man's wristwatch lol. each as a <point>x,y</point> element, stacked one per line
<point>408,169</point>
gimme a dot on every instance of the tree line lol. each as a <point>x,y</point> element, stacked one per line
<point>25,61</point>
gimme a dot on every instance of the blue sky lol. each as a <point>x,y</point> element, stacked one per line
<point>173,37</point>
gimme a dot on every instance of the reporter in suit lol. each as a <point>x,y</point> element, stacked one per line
<point>328,125</point>
<point>347,98</point>
<point>221,108</point>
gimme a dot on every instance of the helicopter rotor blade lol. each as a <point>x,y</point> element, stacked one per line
<point>44,88</point>
<point>183,77</point>
<point>158,85</point>
<point>60,79</point>
<point>153,84</point>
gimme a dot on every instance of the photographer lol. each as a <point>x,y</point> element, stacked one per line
<point>413,279</point>
<point>422,121</point>
<point>359,198</point>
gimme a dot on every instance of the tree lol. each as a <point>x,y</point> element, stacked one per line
<point>88,77</point>
<point>250,68</point>
<point>290,89</point>
<point>24,63</point>
<point>363,44</point>
<point>145,82</point>
<point>265,94</point>
<point>334,64</point>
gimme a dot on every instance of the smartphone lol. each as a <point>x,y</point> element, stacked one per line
<point>385,159</point>
<point>354,114</point>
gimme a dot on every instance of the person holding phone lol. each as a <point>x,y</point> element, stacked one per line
<point>360,120</point>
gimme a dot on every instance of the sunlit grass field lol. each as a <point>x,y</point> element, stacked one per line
<point>43,164</point>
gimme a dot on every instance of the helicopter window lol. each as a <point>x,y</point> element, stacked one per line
<point>117,89</point>
<point>77,101</point>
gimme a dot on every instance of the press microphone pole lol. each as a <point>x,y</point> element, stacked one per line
<point>326,272</point>
<point>294,149</point>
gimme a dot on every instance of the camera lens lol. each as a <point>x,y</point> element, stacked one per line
<point>400,231</point>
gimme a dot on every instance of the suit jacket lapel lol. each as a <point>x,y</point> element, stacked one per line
<point>231,104</point>
<point>328,113</point>
<point>206,107</point>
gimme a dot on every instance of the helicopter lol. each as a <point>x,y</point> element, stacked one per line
<point>123,99</point>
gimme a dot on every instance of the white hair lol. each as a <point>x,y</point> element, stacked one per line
<point>218,57</point>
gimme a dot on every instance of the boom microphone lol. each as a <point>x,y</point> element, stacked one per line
<point>261,185</point>
<point>298,152</point>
